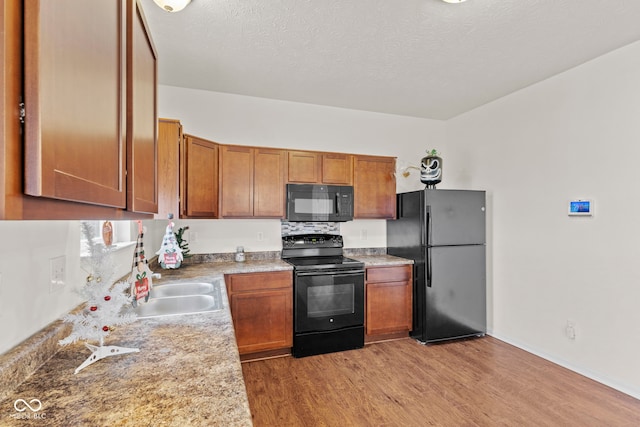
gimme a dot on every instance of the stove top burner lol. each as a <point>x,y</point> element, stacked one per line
<point>317,252</point>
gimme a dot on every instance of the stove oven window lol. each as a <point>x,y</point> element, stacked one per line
<point>330,300</point>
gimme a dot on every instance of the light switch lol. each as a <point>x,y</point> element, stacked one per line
<point>58,273</point>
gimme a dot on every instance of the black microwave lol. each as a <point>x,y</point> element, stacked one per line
<point>318,202</point>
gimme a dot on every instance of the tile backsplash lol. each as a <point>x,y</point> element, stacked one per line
<point>295,228</point>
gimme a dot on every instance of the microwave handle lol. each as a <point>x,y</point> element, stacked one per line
<point>338,205</point>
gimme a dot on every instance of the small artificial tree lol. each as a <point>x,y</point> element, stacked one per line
<point>104,307</point>
<point>182,242</point>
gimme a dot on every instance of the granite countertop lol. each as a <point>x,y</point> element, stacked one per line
<point>381,260</point>
<point>220,268</point>
<point>187,372</point>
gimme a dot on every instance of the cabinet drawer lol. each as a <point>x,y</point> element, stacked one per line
<point>258,281</point>
<point>389,274</point>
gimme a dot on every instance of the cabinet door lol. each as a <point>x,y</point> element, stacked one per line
<point>10,96</point>
<point>374,187</point>
<point>262,320</point>
<point>262,310</point>
<point>304,167</point>
<point>74,65</point>
<point>337,169</point>
<point>236,181</point>
<point>169,138</point>
<point>142,141</point>
<point>201,176</point>
<point>269,183</point>
<point>389,302</point>
<point>388,307</point>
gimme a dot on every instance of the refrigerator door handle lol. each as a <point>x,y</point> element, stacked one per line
<point>428,268</point>
<point>426,230</point>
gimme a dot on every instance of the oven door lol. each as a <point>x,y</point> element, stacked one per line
<point>328,300</point>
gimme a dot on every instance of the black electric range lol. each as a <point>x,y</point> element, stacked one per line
<point>328,301</point>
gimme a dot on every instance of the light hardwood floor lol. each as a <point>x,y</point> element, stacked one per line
<point>477,382</point>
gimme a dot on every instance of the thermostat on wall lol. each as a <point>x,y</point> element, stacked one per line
<point>581,207</point>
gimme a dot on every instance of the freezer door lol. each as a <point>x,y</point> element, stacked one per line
<point>455,217</point>
<point>455,292</point>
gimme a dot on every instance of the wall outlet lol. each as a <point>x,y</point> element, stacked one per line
<point>193,236</point>
<point>363,234</point>
<point>570,330</point>
<point>260,236</point>
<point>57,273</point>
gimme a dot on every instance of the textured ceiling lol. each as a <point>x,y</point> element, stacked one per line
<point>422,58</point>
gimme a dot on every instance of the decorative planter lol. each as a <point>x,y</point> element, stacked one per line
<point>431,170</point>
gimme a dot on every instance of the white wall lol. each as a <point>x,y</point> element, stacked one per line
<point>26,302</point>
<point>576,135</point>
<point>243,120</point>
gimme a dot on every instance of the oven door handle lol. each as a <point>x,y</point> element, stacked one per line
<point>330,273</point>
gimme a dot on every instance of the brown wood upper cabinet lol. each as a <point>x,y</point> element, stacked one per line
<point>90,84</point>
<point>169,180</point>
<point>320,168</point>
<point>252,182</point>
<point>337,169</point>
<point>142,128</point>
<point>200,178</point>
<point>374,187</point>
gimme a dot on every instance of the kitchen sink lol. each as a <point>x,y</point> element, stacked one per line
<point>175,299</point>
<point>182,289</point>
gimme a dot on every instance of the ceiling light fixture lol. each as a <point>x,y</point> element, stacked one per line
<point>172,5</point>
<point>454,1</point>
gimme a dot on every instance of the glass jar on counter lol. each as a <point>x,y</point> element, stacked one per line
<point>240,254</point>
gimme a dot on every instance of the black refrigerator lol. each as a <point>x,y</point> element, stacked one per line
<point>444,233</point>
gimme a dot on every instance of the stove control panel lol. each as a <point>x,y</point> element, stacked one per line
<point>312,241</point>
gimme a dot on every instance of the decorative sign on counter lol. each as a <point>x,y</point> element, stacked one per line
<point>140,279</point>
<point>170,253</point>
<point>107,233</point>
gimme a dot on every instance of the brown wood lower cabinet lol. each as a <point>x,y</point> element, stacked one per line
<point>262,311</point>
<point>389,299</point>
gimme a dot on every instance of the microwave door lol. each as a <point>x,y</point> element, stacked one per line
<point>315,206</point>
<point>307,202</point>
